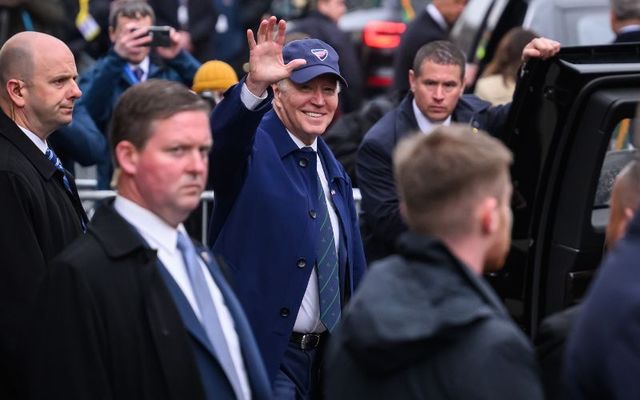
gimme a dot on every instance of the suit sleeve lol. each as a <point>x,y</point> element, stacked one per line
<point>379,196</point>
<point>233,127</point>
<point>71,346</point>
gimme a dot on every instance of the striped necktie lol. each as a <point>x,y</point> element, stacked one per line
<point>58,164</point>
<point>327,263</point>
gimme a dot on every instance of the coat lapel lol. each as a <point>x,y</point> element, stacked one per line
<point>257,374</point>
<point>189,318</point>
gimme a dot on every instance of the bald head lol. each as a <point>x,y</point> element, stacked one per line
<point>37,74</point>
<point>17,54</point>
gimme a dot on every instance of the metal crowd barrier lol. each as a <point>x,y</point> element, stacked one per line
<point>89,196</point>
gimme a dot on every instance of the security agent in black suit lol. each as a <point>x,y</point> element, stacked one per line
<point>625,20</point>
<point>436,98</point>
<point>433,23</point>
<point>39,205</point>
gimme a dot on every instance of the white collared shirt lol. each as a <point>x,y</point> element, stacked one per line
<point>40,144</point>
<point>308,318</point>
<point>164,238</point>
<point>424,124</point>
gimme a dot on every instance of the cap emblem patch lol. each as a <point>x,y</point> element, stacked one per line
<point>321,54</point>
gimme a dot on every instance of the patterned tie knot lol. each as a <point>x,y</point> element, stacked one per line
<point>58,164</point>
<point>138,72</point>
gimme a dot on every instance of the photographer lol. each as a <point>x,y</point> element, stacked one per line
<point>132,59</point>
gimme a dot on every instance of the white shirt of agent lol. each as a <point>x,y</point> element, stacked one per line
<point>164,239</point>
<point>424,124</point>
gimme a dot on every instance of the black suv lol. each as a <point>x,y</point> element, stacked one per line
<point>567,132</point>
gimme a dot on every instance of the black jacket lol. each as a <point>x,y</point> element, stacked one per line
<point>422,30</point>
<point>115,325</point>
<point>381,221</point>
<point>38,218</point>
<point>424,326</point>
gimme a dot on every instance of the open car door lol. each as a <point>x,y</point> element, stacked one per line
<point>570,132</point>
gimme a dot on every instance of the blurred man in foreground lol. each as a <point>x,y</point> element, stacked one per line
<point>424,324</point>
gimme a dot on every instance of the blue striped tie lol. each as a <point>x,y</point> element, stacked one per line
<point>65,180</point>
<point>327,265</point>
<point>58,164</point>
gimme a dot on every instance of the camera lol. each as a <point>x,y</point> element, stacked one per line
<point>159,36</point>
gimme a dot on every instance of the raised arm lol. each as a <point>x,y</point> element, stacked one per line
<point>266,65</point>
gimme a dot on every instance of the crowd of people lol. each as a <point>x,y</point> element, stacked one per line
<point>295,296</point>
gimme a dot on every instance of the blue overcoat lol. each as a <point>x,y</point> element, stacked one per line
<point>262,224</point>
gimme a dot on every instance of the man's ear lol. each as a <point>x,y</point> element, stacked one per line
<point>15,91</point>
<point>488,215</point>
<point>112,34</point>
<point>127,156</point>
<point>412,83</point>
<point>626,219</point>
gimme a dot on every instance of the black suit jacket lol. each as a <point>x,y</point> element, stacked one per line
<point>381,222</point>
<point>38,219</point>
<point>115,325</point>
<point>422,30</point>
<point>628,37</point>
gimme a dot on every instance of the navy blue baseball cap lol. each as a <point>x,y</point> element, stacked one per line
<point>321,59</point>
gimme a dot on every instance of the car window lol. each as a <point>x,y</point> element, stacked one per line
<point>572,23</point>
<point>620,152</point>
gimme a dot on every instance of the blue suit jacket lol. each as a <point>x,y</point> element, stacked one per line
<point>602,357</point>
<point>261,222</point>
<point>117,326</point>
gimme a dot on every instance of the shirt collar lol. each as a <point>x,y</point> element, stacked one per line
<point>144,66</point>
<point>40,144</point>
<point>425,125</point>
<point>437,16</point>
<point>301,144</point>
<point>149,224</point>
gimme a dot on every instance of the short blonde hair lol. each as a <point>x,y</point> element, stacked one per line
<point>440,177</point>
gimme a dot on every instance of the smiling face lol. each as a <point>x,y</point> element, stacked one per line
<point>437,89</point>
<point>169,173</point>
<point>306,109</point>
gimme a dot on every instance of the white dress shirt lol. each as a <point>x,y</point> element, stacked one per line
<point>424,124</point>
<point>144,66</point>
<point>40,144</point>
<point>164,238</point>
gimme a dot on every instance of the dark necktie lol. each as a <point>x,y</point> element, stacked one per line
<point>138,72</point>
<point>327,264</point>
<point>58,164</point>
<point>208,315</point>
<point>65,180</point>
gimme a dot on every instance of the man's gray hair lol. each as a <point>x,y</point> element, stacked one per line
<point>626,9</point>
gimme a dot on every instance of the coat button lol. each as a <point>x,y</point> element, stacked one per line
<point>303,162</point>
<point>284,312</point>
<point>313,214</point>
<point>301,263</point>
